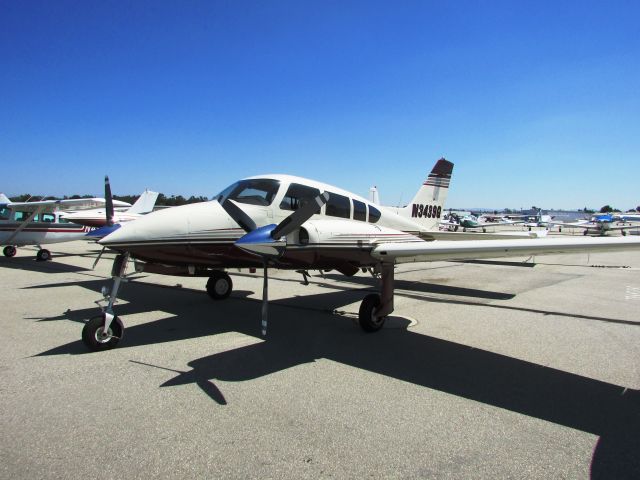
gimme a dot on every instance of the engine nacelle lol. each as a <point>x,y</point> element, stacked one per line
<point>345,232</point>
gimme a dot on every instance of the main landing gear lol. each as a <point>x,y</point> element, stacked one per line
<point>219,285</point>
<point>104,331</point>
<point>375,308</point>
<point>42,256</point>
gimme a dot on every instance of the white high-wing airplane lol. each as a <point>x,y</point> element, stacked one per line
<point>97,217</point>
<point>285,222</point>
<point>599,224</point>
<point>41,222</point>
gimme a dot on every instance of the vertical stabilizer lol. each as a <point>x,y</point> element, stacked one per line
<point>428,204</point>
<point>4,199</point>
<point>145,202</point>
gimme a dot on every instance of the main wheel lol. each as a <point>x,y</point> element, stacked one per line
<point>43,255</point>
<point>9,251</point>
<point>95,338</point>
<point>219,285</point>
<point>368,321</point>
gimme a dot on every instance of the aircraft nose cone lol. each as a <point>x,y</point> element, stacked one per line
<point>172,225</point>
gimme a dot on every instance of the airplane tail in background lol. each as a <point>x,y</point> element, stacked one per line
<point>145,202</point>
<point>427,206</point>
<point>4,199</point>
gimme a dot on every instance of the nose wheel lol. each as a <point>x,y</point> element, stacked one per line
<point>9,251</point>
<point>96,338</point>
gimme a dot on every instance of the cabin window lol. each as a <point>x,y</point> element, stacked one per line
<point>359,211</point>
<point>338,206</point>
<point>297,195</point>
<point>22,216</point>
<point>374,214</point>
<point>48,217</point>
<point>5,213</point>
<point>257,191</point>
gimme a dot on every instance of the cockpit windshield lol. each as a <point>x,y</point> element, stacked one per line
<point>257,191</point>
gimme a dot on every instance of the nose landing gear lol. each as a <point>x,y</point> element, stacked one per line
<point>104,331</point>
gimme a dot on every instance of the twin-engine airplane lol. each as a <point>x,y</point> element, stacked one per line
<point>42,222</point>
<point>285,222</point>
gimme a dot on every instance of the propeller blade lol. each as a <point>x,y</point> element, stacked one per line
<point>265,300</point>
<point>297,218</point>
<point>239,216</point>
<point>109,201</point>
<point>98,259</point>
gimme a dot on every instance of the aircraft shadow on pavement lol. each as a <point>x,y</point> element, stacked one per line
<point>335,281</point>
<point>32,265</point>
<point>610,411</point>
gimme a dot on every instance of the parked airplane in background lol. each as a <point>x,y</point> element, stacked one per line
<point>98,218</point>
<point>599,224</point>
<point>472,222</point>
<point>285,222</point>
<point>627,217</point>
<point>41,222</point>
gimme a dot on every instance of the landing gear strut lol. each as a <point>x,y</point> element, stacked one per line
<point>375,308</point>
<point>104,331</point>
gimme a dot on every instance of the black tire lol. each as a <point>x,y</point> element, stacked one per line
<point>92,334</point>
<point>43,255</point>
<point>368,322</point>
<point>624,234</point>
<point>9,251</point>
<point>219,285</point>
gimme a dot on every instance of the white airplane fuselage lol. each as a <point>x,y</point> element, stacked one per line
<point>49,228</point>
<point>340,236</point>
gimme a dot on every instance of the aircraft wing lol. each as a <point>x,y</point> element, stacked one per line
<point>574,225</point>
<point>477,249</point>
<point>51,205</point>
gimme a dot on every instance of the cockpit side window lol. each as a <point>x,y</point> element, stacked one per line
<point>297,195</point>
<point>257,191</point>
<point>5,213</point>
<point>359,211</point>
<point>338,206</point>
<point>374,214</point>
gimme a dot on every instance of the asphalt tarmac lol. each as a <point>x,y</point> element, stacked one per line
<point>486,370</point>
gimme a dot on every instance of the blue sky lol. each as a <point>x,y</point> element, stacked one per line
<point>536,103</point>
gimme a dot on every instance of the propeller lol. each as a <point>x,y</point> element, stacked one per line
<point>109,226</point>
<point>108,201</point>
<point>268,241</point>
<point>239,216</point>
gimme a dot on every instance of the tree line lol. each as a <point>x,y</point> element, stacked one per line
<point>163,200</point>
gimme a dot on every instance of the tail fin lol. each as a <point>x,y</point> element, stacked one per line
<point>427,206</point>
<point>145,202</point>
<point>4,199</point>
